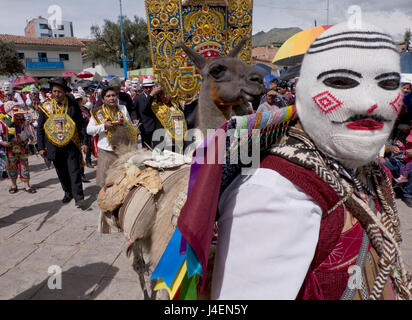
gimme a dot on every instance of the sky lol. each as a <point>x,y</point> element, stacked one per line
<point>394,16</point>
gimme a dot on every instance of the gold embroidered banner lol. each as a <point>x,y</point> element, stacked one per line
<point>210,27</point>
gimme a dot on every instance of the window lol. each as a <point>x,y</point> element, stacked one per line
<point>44,26</point>
<point>61,35</point>
<point>64,57</point>
<point>20,55</point>
<point>61,27</point>
<point>45,35</point>
<point>42,56</point>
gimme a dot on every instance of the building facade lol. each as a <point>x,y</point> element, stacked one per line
<point>265,55</point>
<point>40,27</point>
<point>47,57</point>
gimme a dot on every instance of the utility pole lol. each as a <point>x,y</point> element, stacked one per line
<point>327,14</point>
<point>124,59</point>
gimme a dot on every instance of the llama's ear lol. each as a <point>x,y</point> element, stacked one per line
<point>235,51</point>
<point>197,59</point>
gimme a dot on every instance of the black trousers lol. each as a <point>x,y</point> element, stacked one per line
<point>89,149</point>
<point>146,139</point>
<point>68,167</point>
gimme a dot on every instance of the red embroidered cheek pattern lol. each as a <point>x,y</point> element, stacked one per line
<point>397,103</point>
<point>326,102</point>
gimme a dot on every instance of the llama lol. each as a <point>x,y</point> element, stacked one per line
<point>228,85</point>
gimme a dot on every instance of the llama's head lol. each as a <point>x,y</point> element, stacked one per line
<point>228,81</point>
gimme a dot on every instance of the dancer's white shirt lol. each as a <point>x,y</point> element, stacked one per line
<point>268,232</point>
<point>93,129</point>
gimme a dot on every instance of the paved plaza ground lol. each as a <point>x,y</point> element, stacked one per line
<point>38,231</point>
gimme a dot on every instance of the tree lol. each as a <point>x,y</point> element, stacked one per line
<point>10,65</point>
<point>108,47</point>
<point>407,38</point>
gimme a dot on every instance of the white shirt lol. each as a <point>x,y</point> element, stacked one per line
<point>268,232</point>
<point>19,100</point>
<point>93,129</point>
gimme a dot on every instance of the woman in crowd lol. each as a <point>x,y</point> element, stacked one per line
<point>104,121</point>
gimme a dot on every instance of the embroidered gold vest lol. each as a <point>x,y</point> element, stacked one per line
<point>172,119</point>
<point>59,127</point>
<point>103,114</point>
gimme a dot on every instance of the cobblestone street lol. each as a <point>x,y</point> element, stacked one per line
<point>38,231</point>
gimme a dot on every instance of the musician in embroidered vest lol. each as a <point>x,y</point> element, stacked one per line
<point>171,119</point>
<point>61,139</point>
<point>14,137</point>
<point>104,121</point>
<point>325,224</point>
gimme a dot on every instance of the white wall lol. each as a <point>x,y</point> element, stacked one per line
<point>74,64</point>
<point>110,69</point>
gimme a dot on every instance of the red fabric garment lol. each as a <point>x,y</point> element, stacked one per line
<point>94,146</point>
<point>197,218</point>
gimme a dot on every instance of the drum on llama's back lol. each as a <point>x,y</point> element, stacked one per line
<point>152,220</point>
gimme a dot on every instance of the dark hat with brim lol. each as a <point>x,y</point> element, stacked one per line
<point>61,83</point>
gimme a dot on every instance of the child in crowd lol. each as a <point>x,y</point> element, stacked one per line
<point>14,138</point>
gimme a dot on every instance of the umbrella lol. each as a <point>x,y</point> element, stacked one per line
<point>293,50</point>
<point>83,83</point>
<point>268,79</point>
<point>20,81</point>
<point>68,74</point>
<point>85,74</point>
<point>406,62</point>
<point>290,73</point>
<point>262,69</point>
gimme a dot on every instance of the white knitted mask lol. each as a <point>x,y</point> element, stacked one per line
<point>136,86</point>
<point>6,88</point>
<point>348,94</point>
